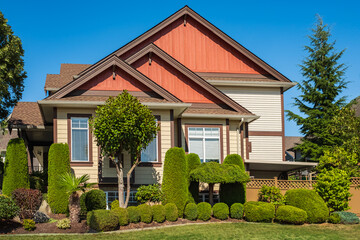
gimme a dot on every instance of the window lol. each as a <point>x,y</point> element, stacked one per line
<point>150,153</point>
<point>205,142</point>
<point>113,195</point>
<point>79,139</point>
<point>204,197</point>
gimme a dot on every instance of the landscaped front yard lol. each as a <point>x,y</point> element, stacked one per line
<point>224,231</point>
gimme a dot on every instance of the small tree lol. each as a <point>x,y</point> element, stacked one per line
<point>123,124</point>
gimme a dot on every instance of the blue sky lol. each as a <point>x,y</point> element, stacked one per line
<point>55,32</point>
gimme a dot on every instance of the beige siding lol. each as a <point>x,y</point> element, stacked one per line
<point>234,138</point>
<point>266,148</point>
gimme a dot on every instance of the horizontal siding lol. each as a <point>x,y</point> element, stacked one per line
<point>234,138</point>
<point>267,148</point>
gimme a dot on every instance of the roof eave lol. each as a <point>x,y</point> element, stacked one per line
<point>224,83</point>
<point>247,118</point>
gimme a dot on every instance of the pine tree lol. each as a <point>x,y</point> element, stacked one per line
<point>320,100</point>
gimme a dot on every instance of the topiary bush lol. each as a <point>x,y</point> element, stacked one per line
<point>291,215</point>
<point>95,199</point>
<point>310,202</point>
<point>149,193</point>
<point>193,161</point>
<point>237,211</point>
<point>134,214</point>
<point>29,225</point>
<point>175,179</point>
<point>259,211</point>
<point>28,200</point>
<point>63,223</point>
<point>59,164</point>
<point>102,220</point>
<point>122,214</point>
<point>191,212</point>
<point>271,195</point>
<point>221,211</point>
<point>334,218</point>
<point>204,211</point>
<point>347,217</point>
<point>16,173</point>
<point>146,214</point>
<point>158,213</point>
<point>171,212</point>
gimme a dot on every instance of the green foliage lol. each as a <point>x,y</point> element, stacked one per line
<point>237,211</point>
<point>16,165</point>
<point>334,187</point>
<point>114,204</point>
<point>347,217</point>
<point>191,212</point>
<point>134,214</point>
<point>259,211</point>
<point>83,209</point>
<point>28,200</point>
<point>171,212</point>
<point>193,161</point>
<point>158,213</point>
<point>234,159</point>
<point>149,193</point>
<point>204,211</point>
<point>29,225</point>
<point>291,215</point>
<point>175,181</point>
<point>63,223</point>
<point>122,214</point>
<point>8,208</point>
<point>95,199</point>
<point>146,214</point>
<point>221,211</point>
<point>59,164</point>
<point>310,202</point>
<point>102,220</point>
<point>271,194</point>
<point>334,218</point>
<point>38,180</point>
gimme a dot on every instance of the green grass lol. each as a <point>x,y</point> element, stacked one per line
<point>224,231</point>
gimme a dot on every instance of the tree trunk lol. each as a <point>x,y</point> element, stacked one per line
<point>120,175</point>
<point>74,207</point>
<point>128,181</point>
<point>211,190</point>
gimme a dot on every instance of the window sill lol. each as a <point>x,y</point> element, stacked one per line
<point>81,164</point>
<point>150,164</point>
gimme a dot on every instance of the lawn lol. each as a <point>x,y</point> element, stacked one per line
<point>223,231</point>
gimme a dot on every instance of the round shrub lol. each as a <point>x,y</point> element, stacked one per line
<point>347,217</point>
<point>191,211</point>
<point>334,218</point>
<point>145,213</point>
<point>204,211</point>
<point>95,199</point>
<point>193,161</point>
<point>221,211</point>
<point>175,179</point>
<point>102,220</point>
<point>149,193</point>
<point>158,213</point>
<point>237,211</point>
<point>134,214</point>
<point>122,214</point>
<point>310,202</point>
<point>28,200</point>
<point>291,215</point>
<point>16,173</point>
<point>8,208</point>
<point>171,212</point>
<point>259,211</point>
<point>29,225</point>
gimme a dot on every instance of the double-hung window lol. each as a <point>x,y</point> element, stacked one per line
<point>205,142</point>
<point>79,139</point>
<point>150,153</point>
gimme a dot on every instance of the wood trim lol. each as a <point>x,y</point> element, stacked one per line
<point>235,75</point>
<point>247,143</point>
<point>179,132</point>
<point>55,125</point>
<point>265,133</point>
<point>172,128</point>
<point>227,137</point>
<point>112,93</point>
<point>283,123</point>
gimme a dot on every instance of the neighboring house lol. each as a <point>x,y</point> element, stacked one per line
<point>211,96</point>
<point>290,153</point>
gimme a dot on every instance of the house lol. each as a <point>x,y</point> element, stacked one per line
<point>210,95</point>
<point>290,153</point>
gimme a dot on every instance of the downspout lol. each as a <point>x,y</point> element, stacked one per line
<point>238,136</point>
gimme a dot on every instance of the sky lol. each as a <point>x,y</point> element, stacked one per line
<point>55,32</point>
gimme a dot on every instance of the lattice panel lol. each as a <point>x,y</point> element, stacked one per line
<point>258,183</point>
<point>355,181</point>
<point>293,184</point>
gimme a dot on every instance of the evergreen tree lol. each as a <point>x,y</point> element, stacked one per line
<point>319,101</point>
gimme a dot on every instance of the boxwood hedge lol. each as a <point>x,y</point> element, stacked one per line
<point>191,212</point>
<point>146,215</point>
<point>122,215</point>
<point>158,213</point>
<point>291,215</point>
<point>237,211</point>
<point>102,220</point>
<point>95,199</point>
<point>259,211</point>
<point>204,211</point>
<point>221,211</point>
<point>171,212</point>
<point>134,214</point>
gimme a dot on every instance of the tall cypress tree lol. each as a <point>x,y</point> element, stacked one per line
<point>319,101</point>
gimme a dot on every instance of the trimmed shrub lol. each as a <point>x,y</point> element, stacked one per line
<point>134,214</point>
<point>221,211</point>
<point>171,212</point>
<point>259,211</point>
<point>271,195</point>
<point>40,217</point>
<point>347,217</point>
<point>237,211</point>
<point>95,199</point>
<point>28,200</point>
<point>310,202</point>
<point>291,215</point>
<point>29,225</point>
<point>175,180</point>
<point>158,213</point>
<point>149,193</point>
<point>83,210</point>
<point>334,218</point>
<point>191,211</point>
<point>16,173</point>
<point>204,211</point>
<point>114,204</point>
<point>122,214</point>
<point>193,161</point>
<point>59,164</point>
<point>8,208</point>
<point>63,223</point>
<point>102,220</point>
<point>146,214</point>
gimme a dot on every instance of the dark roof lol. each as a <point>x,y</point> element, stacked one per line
<point>27,113</point>
<point>5,138</point>
<point>291,142</point>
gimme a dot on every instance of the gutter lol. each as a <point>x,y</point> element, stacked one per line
<point>248,118</point>
<point>285,85</point>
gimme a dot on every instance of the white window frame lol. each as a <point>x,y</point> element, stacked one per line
<point>203,137</point>
<point>87,134</point>
<point>157,150</point>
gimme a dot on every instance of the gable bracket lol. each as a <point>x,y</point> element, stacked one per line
<point>114,73</point>
<point>185,15</point>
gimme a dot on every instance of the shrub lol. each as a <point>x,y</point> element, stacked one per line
<point>149,193</point>
<point>59,164</point>
<point>204,211</point>
<point>38,180</point>
<point>28,200</point>
<point>347,217</point>
<point>193,161</point>
<point>221,211</point>
<point>334,187</point>
<point>16,174</point>
<point>171,212</point>
<point>95,199</point>
<point>40,217</point>
<point>158,213</point>
<point>83,210</point>
<point>271,195</point>
<point>114,204</point>
<point>191,211</point>
<point>63,223</point>
<point>146,214</point>
<point>334,218</point>
<point>8,208</point>
<point>291,215</point>
<point>237,211</point>
<point>310,202</point>
<point>134,214</point>
<point>29,225</point>
<point>122,214</point>
<point>102,220</point>
<point>175,180</point>
<point>259,211</point>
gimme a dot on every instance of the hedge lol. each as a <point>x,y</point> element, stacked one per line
<point>221,211</point>
<point>158,213</point>
<point>102,220</point>
<point>146,214</point>
<point>291,215</point>
<point>259,211</point>
<point>347,217</point>
<point>231,193</point>
<point>193,161</point>
<point>191,212</point>
<point>237,211</point>
<point>59,164</point>
<point>16,173</point>
<point>310,202</point>
<point>8,208</point>
<point>175,179</point>
<point>134,214</point>
<point>122,215</point>
<point>204,211</point>
<point>171,212</point>
<point>95,199</point>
